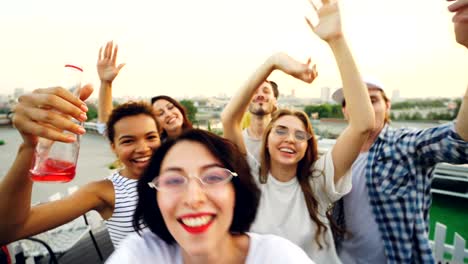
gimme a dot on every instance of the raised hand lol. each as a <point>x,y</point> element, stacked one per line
<point>46,113</point>
<point>297,69</point>
<point>329,26</point>
<point>460,20</point>
<point>106,65</point>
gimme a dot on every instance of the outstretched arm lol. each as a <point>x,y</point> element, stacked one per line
<point>460,20</point>
<point>44,113</point>
<point>361,114</point>
<point>107,71</point>
<point>462,118</point>
<point>231,116</point>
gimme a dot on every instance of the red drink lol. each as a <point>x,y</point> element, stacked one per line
<point>53,170</point>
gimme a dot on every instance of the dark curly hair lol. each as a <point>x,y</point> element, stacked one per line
<point>131,108</point>
<point>247,194</point>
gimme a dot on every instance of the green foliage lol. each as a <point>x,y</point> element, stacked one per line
<point>92,112</point>
<point>2,142</point>
<point>324,110</point>
<point>457,109</point>
<point>191,110</point>
<point>420,103</point>
<point>114,165</point>
<point>217,131</point>
<point>418,116</point>
<point>439,116</point>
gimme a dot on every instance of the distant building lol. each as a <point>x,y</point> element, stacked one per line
<point>3,99</point>
<point>18,92</point>
<point>452,105</point>
<point>325,94</point>
<point>396,96</point>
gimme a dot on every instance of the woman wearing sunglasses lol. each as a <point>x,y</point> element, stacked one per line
<point>297,186</point>
<point>199,210</point>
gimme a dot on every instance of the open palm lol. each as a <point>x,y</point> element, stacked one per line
<point>106,65</point>
<point>329,26</point>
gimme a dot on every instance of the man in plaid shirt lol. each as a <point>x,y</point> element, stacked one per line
<point>387,210</point>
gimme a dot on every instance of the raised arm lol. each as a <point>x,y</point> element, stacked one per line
<point>462,118</point>
<point>361,114</point>
<point>460,20</point>
<point>34,117</point>
<point>107,71</point>
<point>231,116</point>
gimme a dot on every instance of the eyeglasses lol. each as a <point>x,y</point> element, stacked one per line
<point>299,135</point>
<point>176,181</point>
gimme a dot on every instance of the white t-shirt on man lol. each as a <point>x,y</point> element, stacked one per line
<point>283,211</point>
<point>149,248</point>
<point>252,145</point>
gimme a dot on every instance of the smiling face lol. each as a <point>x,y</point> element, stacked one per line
<point>263,101</point>
<point>198,218</point>
<point>285,149</point>
<point>135,139</point>
<point>168,115</point>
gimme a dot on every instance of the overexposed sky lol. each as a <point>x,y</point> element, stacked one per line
<point>209,47</point>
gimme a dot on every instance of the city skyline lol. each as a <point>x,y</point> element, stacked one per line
<point>186,49</point>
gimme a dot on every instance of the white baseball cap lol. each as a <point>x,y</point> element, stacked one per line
<point>371,82</point>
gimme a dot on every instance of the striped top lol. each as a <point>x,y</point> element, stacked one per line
<point>119,224</point>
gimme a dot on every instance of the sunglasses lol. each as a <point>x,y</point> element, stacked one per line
<point>299,135</point>
<point>177,181</point>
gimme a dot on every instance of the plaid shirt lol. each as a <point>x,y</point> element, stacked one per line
<point>398,178</point>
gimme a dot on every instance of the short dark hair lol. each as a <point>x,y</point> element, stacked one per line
<point>274,86</point>
<point>247,194</point>
<point>131,108</point>
<point>186,122</point>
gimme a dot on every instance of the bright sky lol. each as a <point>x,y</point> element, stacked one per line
<point>209,47</point>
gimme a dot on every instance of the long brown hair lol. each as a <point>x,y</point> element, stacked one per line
<point>304,169</point>
<point>186,124</point>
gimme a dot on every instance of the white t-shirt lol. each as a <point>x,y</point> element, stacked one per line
<point>283,211</point>
<point>251,144</point>
<point>149,248</point>
<point>366,244</point>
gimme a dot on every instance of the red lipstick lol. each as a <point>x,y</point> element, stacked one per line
<point>196,229</point>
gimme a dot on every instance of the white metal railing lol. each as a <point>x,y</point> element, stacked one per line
<point>5,119</point>
<point>450,180</point>
<point>458,250</point>
<point>95,127</point>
